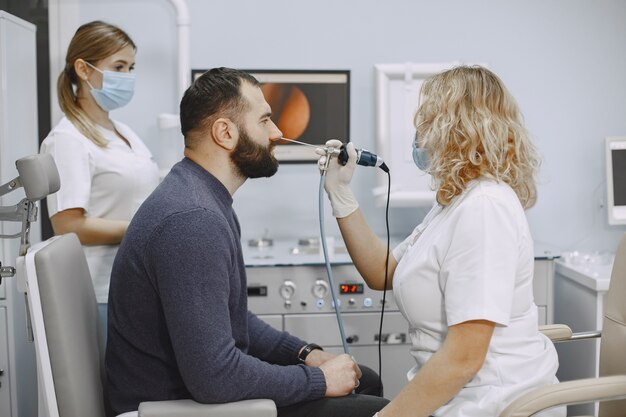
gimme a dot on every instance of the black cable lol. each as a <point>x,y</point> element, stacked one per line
<point>382,310</point>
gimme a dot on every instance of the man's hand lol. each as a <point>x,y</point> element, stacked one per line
<point>318,357</point>
<point>342,375</point>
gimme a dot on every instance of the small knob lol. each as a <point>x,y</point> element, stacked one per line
<point>352,339</point>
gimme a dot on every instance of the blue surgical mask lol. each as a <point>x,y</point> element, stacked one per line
<point>421,158</point>
<point>117,89</point>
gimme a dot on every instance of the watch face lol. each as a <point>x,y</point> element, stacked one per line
<point>305,352</point>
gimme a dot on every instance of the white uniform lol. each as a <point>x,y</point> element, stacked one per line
<point>473,260</point>
<point>108,182</point>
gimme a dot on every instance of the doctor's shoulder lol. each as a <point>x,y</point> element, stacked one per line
<point>65,132</point>
<point>492,188</point>
<point>492,195</point>
<point>65,137</point>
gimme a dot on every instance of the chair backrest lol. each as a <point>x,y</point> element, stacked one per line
<point>64,316</point>
<point>613,341</point>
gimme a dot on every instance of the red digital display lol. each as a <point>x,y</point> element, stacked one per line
<point>350,288</point>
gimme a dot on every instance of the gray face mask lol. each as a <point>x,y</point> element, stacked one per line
<point>421,157</point>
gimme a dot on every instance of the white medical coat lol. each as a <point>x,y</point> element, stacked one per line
<point>107,182</point>
<point>474,261</point>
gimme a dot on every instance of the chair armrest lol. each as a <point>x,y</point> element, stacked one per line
<point>190,408</point>
<point>562,333</point>
<point>568,392</point>
<point>556,332</point>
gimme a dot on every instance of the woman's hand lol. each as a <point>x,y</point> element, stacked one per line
<point>338,177</point>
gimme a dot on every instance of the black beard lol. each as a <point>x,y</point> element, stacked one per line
<point>253,160</point>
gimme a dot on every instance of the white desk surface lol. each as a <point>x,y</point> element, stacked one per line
<point>594,277</point>
<point>288,252</point>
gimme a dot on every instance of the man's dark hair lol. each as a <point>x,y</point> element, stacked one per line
<point>216,93</point>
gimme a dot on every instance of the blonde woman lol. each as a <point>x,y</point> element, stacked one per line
<point>106,170</point>
<point>462,278</point>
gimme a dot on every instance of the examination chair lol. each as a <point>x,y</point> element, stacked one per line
<point>64,317</point>
<point>610,388</point>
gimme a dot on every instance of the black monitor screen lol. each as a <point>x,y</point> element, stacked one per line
<point>619,176</point>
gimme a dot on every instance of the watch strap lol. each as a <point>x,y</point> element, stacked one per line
<point>308,348</point>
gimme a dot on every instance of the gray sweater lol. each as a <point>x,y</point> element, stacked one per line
<point>179,325</point>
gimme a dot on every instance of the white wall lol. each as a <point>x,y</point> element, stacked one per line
<point>563,60</point>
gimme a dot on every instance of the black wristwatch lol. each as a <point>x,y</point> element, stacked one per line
<point>306,350</point>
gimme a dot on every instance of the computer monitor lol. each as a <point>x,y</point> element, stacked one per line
<point>310,106</point>
<point>616,179</point>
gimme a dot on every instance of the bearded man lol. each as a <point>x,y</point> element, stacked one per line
<point>179,326</point>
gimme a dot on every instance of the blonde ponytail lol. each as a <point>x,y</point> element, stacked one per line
<point>74,113</point>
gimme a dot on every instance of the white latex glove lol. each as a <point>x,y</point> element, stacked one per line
<point>338,177</point>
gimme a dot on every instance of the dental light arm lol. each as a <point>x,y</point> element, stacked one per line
<point>39,177</point>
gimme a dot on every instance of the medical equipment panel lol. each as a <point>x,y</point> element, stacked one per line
<point>296,298</point>
<point>304,289</point>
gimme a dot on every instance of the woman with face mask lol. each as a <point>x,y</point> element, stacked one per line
<point>106,170</point>
<point>463,277</point>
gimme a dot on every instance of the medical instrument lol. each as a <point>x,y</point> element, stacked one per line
<point>327,149</point>
<point>364,158</point>
<point>300,143</point>
<point>329,272</point>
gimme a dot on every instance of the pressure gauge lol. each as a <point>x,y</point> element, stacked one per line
<point>287,290</point>
<point>320,289</point>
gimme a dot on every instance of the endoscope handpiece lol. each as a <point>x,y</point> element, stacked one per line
<point>363,157</point>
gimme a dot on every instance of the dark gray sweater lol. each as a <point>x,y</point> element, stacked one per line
<point>179,325</point>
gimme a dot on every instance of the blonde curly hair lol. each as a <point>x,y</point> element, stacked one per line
<point>472,128</point>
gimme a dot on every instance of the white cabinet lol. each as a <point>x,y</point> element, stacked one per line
<point>18,138</point>
<point>543,281</point>
<point>543,290</point>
